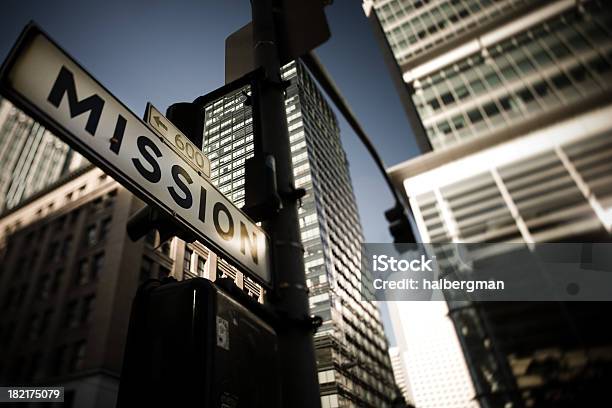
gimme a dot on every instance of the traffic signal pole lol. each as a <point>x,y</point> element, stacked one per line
<point>298,369</point>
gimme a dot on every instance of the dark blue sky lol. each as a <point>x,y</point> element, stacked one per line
<point>171,51</point>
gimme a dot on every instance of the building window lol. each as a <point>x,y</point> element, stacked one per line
<point>81,277</point>
<point>104,229</point>
<point>329,401</point>
<point>70,317</point>
<point>34,327</point>
<point>77,357</point>
<point>59,224</point>
<point>7,334</point>
<point>87,309</point>
<point>110,198</point>
<point>17,370</point>
<point>96,204</point>
<point>66,244</point>
<point>9,298</point>
<point>33,371</point>
<point>44,286</point>
<point>187,263</point>
<point>201,264</point>
<point>59,361</point>
<point>96,266</point>
<point>74,216</point>
<point>57,279</point>
<point>53,252</point>
<point>187,260</point>
<point>90,235</point>
<point>45,321</point>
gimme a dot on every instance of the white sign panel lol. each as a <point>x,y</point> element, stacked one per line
<point>172,135</point>
<point>50,86</point>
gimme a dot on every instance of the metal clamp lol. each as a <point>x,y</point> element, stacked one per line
<point>286,285</point>
<point>308,323</point>
<point>293,244</point>
<point>294,194</point>
<point>315,323</point>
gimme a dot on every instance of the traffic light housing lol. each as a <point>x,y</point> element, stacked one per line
<point>191,345</point>
<point>188,117</point>
<point>399,225</point>
<point>150,218</point>
<point>261,199</point>
<point>300,27</point>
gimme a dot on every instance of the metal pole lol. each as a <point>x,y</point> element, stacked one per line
<point>300,387</point>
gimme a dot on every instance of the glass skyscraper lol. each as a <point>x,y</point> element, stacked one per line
<point>475,68</point>
<point>515,99</point>
<point>31,157</point>
<point>354,367</point>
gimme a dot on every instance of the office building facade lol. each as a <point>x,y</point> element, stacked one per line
<point>68,276</point>
<point>399,372</point>
<point>477,68</point>
<point>429,356</point>
<point>354,367</point>
<point>515,99</point>
<point>551,185</point>
<point>69,273</point>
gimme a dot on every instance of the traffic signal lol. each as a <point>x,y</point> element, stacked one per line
<point>399,225</point>
<point>300,27</point>
<point>189,118</point>
<point>261,199</point>
<point>191,345</point>
<point>150,218</point>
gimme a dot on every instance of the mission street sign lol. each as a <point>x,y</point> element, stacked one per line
<point>44,81</point>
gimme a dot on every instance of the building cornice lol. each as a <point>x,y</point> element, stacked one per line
<point>438,158</point>
<point>62,180</point>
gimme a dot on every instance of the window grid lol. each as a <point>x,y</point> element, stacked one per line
<point>413,27</point>
<point>320,167</point>
<point>536,70</point>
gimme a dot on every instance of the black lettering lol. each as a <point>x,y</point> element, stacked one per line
<point>153,175</point>
<point>64,84</point>
<point>226,235</point>
<point>202,210</point>
<point>244,238</point>
<point>186,201</point>
<point>118,134</point>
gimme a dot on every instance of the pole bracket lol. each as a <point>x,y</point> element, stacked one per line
<point>315,323</point>
<point>293,244</point>
<point>286,285</point>
<point>293,194</point>
<point>306,323</point>
<point>248,99</point>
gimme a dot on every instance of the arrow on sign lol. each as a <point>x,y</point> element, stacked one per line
<point>174,138</point>
<point>159,122</point>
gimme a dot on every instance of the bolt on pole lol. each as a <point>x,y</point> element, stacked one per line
<point>300,387</point>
